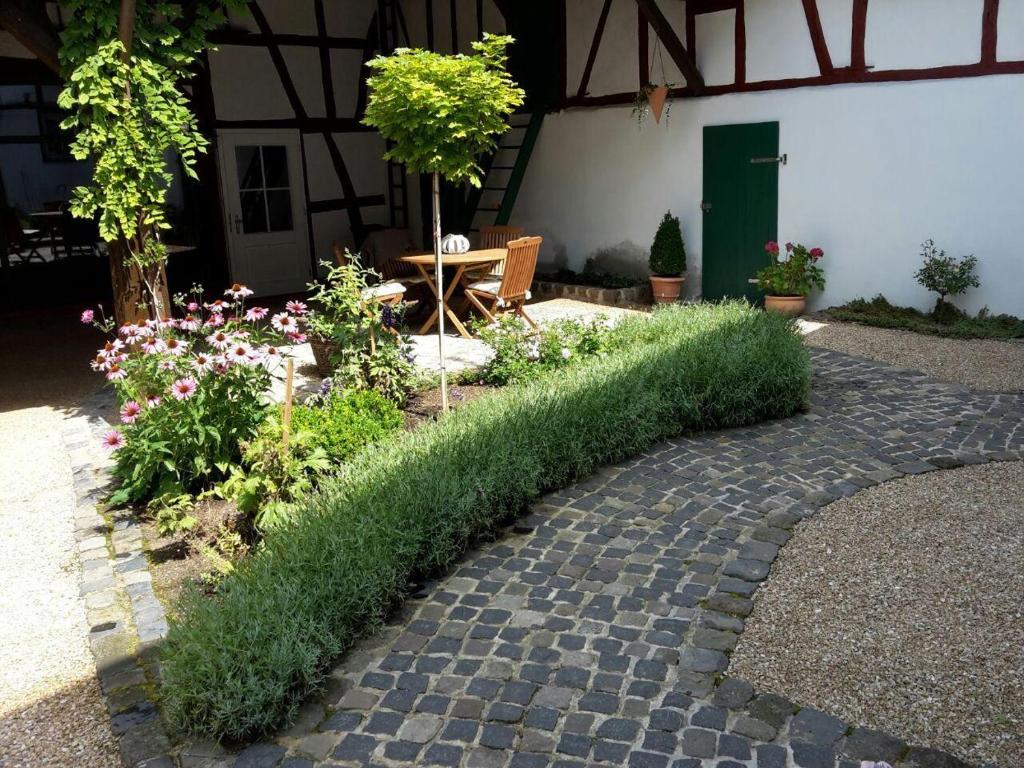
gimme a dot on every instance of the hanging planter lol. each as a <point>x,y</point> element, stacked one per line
<point>653,99</point>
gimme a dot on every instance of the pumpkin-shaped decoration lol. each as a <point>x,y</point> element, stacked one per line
<point>454,244</point>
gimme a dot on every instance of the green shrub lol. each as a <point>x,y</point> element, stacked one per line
<point>945,320</point>
<point>240,664</point>
<point>520,354</point>
<point>946,275</point>
<point>668,253</point>
<point>347,421</point>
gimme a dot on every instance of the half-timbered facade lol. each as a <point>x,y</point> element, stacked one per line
<point>862,126</point>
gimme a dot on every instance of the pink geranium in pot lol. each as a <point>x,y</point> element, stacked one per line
<point>790,277</point>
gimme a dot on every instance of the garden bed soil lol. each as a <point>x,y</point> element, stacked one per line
<point>426,405</point>
<point>176,560</point>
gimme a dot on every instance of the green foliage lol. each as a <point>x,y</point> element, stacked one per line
<point>951,322</point>
<point>796,274</point>
<point>347,421</point>
<point>367,355</point>
<point>668,253</point>
<point>946,275</point>
<point>521,354</point>
<point>591,277</point>
<point>240,665</point>
<point>129,112</point>
<point>443,112</point>
<point>275,474</point>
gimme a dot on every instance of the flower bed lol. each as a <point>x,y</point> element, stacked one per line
<point>240,664</point>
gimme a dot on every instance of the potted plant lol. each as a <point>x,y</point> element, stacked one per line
<point>341,319</point>
<point>667,261</point>
<point>651,99</point>
<point>787,280</point>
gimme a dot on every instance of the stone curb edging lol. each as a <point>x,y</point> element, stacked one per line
<point>610,297</point>
<point>126,619</point>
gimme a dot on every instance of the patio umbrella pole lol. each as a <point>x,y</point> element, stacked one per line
<point>439,281</point>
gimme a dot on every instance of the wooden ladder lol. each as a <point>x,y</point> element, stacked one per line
<point>504,172</point>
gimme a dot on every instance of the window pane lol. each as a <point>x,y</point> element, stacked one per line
<point>250,172</point>
<point>275,166</point>
<point>279,203</point>
<point>254,212</point>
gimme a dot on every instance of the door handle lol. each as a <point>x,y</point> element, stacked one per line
<point>238,224</point>
<point>705,206</point>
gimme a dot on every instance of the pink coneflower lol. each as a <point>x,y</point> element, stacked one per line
<point>192,306</point>
<point>215,320</point>
<point>153,344</point>
<point>130,412</point>
<point>87,316</point>
<point>217,306</point>
<point>112,440</point>
<point>202,363</point>
<point>240,353</point>
<point>101,362</point>
<point>296,338</point>
<point>183,389</point>
<point>256,313</point>
<point>130,331</point>
<point>176,347</point>
<point>152,401</point>
<point>238,291</point>
<point>219,340</point>
<point>272,354</point>
<point>166,365</point>
<point>116,373</point>
<point>189,323</point>
<point>113,347</point>
<point>284,322</point>
<point>296,307</point>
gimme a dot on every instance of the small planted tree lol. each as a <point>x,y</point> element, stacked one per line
<point>667,260</point>
<point>442,113</point>
<point>946,276</point>
<point>124,62</point>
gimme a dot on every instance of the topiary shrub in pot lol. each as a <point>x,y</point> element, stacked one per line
<point>667,261</point>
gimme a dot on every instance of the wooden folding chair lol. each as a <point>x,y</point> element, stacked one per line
<point>388,292</point>
<point>510,292</point>
<point>497,236</point>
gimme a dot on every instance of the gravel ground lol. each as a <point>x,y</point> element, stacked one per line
<point>51,710</point>
<point>902,608</point>
<point>980,364</point>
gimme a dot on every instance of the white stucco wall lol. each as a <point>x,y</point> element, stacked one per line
<point>873,171</point>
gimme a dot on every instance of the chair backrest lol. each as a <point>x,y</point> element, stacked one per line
<point>498,236</point>
<point>520,264</point>
<point>340,257</point>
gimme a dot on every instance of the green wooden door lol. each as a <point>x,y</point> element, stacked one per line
<point>741,203</point>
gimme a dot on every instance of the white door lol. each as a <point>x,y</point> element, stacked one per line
<point>264,201</point>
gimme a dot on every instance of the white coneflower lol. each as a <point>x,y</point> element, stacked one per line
<point>176,347</point>
<point>219,340</point>
<point>238,291</point>
<point>240,353</point>
<point>217,306</point>
<point>189,323</point>
<point>202,363</point>
<point>153,344</point>
<point>284,322</point>
<point>116,373</point>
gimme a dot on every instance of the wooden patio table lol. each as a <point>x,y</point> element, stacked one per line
<point>471,260</point>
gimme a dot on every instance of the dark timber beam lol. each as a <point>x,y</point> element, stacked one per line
<point>989,31</point>
<point>817,37</point>
<point>29,24</point>
<point>673,45</point>
<point>602,20</point>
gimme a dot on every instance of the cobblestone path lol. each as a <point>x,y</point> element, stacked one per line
<point>598,631</point>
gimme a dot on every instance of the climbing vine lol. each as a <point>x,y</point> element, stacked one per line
<point>129,114</point>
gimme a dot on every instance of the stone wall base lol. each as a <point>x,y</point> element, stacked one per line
<point>611,297</point>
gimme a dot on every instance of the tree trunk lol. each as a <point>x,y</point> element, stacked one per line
<point>132,301</point>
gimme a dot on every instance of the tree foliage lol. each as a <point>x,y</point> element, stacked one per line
<point>443,112</point>
<point>946,275</point>
<point>129,113</point>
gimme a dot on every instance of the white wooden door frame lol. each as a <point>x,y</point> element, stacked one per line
<point>241,268</point>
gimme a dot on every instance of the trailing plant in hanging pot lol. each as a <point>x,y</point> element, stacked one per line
<point>667,261</point>
<point>652,99</point>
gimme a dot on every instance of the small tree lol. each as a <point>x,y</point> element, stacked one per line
<point>123,62</point>
<point>442,113</point>
<point>668,252</point>
<point>946,275</point>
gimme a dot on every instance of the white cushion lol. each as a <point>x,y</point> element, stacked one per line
<point>486,286</point>
<point>384,289</point>
<point>491,287</point>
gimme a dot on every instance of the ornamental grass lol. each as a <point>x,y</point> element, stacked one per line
<point>239,664</point>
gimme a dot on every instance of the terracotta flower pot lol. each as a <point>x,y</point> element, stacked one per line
<point>322,351</point>
<point>791,306</point>
<point>656,99</point>
<point>666,290</point>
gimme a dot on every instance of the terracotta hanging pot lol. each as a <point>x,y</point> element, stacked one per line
<point>656,97</point>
